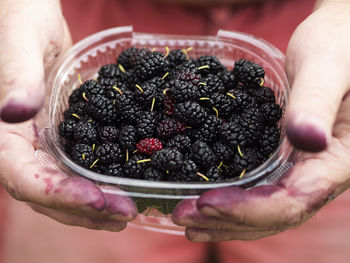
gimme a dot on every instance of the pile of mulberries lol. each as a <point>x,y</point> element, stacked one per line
<point>169,117</point>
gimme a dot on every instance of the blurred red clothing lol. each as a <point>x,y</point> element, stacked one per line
<point>31,237</point>
<point>273,20</point>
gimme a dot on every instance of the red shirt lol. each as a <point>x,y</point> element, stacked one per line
<point>274,20</point>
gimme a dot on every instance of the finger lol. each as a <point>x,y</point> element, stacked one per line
<point>83,221</point>
<point>296,198</point>
<point>187,214</point>
<point>314,102</point>
<point>25,180</point>
<point>203,235</point>
<point>118,206</point>
<point>25,42</point>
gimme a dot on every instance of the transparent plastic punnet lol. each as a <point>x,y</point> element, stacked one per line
<point>156,200</point>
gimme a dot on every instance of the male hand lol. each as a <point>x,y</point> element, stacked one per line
<point>33,35</point>
<point>318,122</point>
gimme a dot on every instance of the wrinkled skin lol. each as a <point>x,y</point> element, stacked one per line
<point>24,60</point>
<point>318,121</point>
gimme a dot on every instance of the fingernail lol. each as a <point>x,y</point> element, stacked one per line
<point>184,212</point>
<point>18,107</point>
<point>121,207</point>
<point>198,236</point>
<point>306,132</point>
<point>99,204</point>
<point>209,211</point>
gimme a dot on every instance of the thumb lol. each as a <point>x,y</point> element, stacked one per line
<point>25,47</point>
<point>317,88</point>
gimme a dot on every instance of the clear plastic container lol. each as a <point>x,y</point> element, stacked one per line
<point>156,200</point>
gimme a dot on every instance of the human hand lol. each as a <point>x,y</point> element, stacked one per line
<point>33,35</point>
<point>317,64</point>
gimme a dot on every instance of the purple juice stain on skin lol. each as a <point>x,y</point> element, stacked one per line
<point>265,191</point>
<point>221,202</point>
<point>315,199</point>
<point>84,191</point>
<point>186,212</point>
<point>306,137</point>
<point>36,176</point>
<point>14,112</point>
<point>49,185</point>
<point>121,205</point>
<point>222,198</point>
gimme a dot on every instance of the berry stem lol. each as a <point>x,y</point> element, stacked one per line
<point>231,95</point>
<point>165,75</point>
<point>203,67</point>
<point>127,155</point>
<point>117,89</point>
<point>138,86</point>
<point>79,79</point>
<point>221,163</point>
<point>166,52</point>
<point>262,82</point>
<point>203,176</point>
<point>204,98</point>
<point>153,101</point>
<point>242,173</point>
<point>216,112</point>
<point>185,51</point>
<point>76,116</point>
<point>83,156</point>
<point>239,151</point>
<point>93,164</point>
<point>122,69</point>
<point>144,161</point>
<point>84,96</point>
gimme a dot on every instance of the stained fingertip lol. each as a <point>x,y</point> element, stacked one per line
<point>184,210</point>
<point>83,192</point>
<point>187,214</point>
<point>23,104</point>
<point>213,202</point>
<point>264,190</point>
<point>16,111</point>
<point>120,207</point>
<point>306,132</point>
